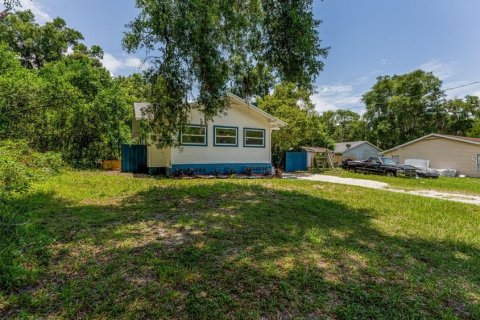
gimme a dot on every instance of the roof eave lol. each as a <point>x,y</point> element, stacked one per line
<point>427,136</point>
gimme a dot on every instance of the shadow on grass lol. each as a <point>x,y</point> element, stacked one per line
<point>232,250</point>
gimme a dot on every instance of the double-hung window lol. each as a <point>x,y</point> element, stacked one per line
<point>225,136</point>
<point>253,137</point>
<point>194,135</point>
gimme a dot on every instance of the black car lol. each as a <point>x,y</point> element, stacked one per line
<point>388,167</point>
<point>419,172</point>
<point>380,165</point>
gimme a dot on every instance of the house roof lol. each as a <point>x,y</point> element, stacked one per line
<point>315,149</point>
<point>342,146</point>
<point>141,107</point>
<point>445,136</point>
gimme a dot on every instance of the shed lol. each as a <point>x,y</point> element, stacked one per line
<point>355,150</point>
<point>443,152</point>
<point>318,157</point>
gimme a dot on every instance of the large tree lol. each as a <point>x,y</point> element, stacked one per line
<point>401,108</point>
<point>8,6</point>
<point>200,49</point>
<point>461,116</point>
<point>37,44</point>
<point>344,125</point>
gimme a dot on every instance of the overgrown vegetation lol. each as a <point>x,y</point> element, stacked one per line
<point>56,95</point>
<point>20,166</point>
<point>110,246</point>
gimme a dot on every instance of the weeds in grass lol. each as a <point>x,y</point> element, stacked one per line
<point>118,247</point>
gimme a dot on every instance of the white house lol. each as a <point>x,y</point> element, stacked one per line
<point>236,139</point>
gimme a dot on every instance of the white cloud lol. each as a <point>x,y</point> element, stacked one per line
<point>337,96</point>
<point>441,70</point>
<point>336,89</point>
<point>385,62</point>
<point>115,64</point>
<point>40,12</point>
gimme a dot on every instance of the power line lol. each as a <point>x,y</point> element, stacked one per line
<point>447,89</point>
<point>463,85</point>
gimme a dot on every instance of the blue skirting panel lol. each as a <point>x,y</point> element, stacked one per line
<point>223,168</point>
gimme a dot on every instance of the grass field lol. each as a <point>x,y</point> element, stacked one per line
<point>459,185</point>
<point>95,245</point>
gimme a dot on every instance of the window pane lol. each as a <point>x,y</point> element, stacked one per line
<point>226,140</point>
<point>194,130</point>
<point>254,142</point>
<point>230,132</point>
<point>254,133</point>
<point>193,139</point>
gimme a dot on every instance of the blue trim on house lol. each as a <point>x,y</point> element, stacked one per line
<point>196,144</point>
<point>223,168</point>
<point>224,145</point>
<point>245,137</point>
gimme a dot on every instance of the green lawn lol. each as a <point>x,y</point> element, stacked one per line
<point>459,185</point>
<point>97,245</point>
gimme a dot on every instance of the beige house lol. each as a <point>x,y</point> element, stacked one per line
<point>443,152</point>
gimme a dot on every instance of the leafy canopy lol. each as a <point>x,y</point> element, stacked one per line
<point>199,50</point>
<point>305,128</point>
<point>404,107</point>
<point>58,99</point>
<point>37,44</point>
<point>401,108</point>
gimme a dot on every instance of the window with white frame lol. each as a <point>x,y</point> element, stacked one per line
<point>254,137</point>
<point>225,136</point>
<point>194,135</point>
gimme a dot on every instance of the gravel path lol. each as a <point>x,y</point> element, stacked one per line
<point>457,197</point>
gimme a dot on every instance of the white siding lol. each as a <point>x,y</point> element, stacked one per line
<point>235,116</point>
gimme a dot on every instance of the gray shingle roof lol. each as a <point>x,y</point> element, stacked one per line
<point>342,146</point>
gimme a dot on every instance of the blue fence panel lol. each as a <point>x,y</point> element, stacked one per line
<point>295,161</point>
<point>134,158</point>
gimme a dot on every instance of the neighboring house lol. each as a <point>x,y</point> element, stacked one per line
<point>238,138</point>
<point>443,152</point>
<point>355,150</point>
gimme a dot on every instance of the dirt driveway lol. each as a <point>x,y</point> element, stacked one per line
<point>458,197</point>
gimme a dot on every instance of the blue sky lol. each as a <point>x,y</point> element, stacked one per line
<point>367,38</point>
